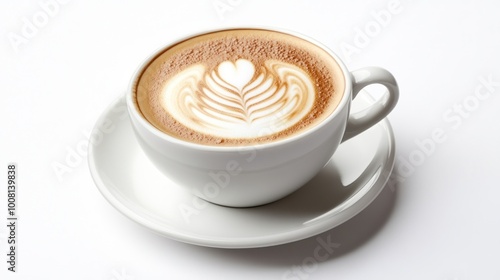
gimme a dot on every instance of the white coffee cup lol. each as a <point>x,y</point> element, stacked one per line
<point>253,175</point>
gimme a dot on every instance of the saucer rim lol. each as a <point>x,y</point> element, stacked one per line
<point>313,229</point>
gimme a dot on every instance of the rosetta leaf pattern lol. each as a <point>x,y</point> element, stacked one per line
<point>239,100</point>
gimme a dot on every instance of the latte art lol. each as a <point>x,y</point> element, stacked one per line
<point>238,100</point>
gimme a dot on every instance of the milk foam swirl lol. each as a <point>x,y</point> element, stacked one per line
<point>236,100</point>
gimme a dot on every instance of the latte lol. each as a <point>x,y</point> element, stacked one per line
<point>239,87</point>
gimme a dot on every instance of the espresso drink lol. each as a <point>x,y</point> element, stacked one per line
<point>239,87</point>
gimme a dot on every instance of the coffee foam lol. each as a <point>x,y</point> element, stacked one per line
<point>236,100</point>
<point>284,85</point>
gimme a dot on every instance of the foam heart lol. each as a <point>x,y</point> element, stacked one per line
<point>237,74</point>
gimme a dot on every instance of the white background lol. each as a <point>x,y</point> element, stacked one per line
<point>440,220</point>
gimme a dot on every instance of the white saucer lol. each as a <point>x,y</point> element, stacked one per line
<point>349,182</point>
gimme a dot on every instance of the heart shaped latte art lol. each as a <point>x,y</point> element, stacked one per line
<point>236,100</point>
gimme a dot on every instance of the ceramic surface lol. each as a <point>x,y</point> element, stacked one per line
<point>128,180</point>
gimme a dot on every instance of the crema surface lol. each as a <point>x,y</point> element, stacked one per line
<point>239,87</point>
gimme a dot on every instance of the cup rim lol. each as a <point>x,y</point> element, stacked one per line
<point>133,107</point>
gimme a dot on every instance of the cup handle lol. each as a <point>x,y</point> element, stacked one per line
<point>360,121</point>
